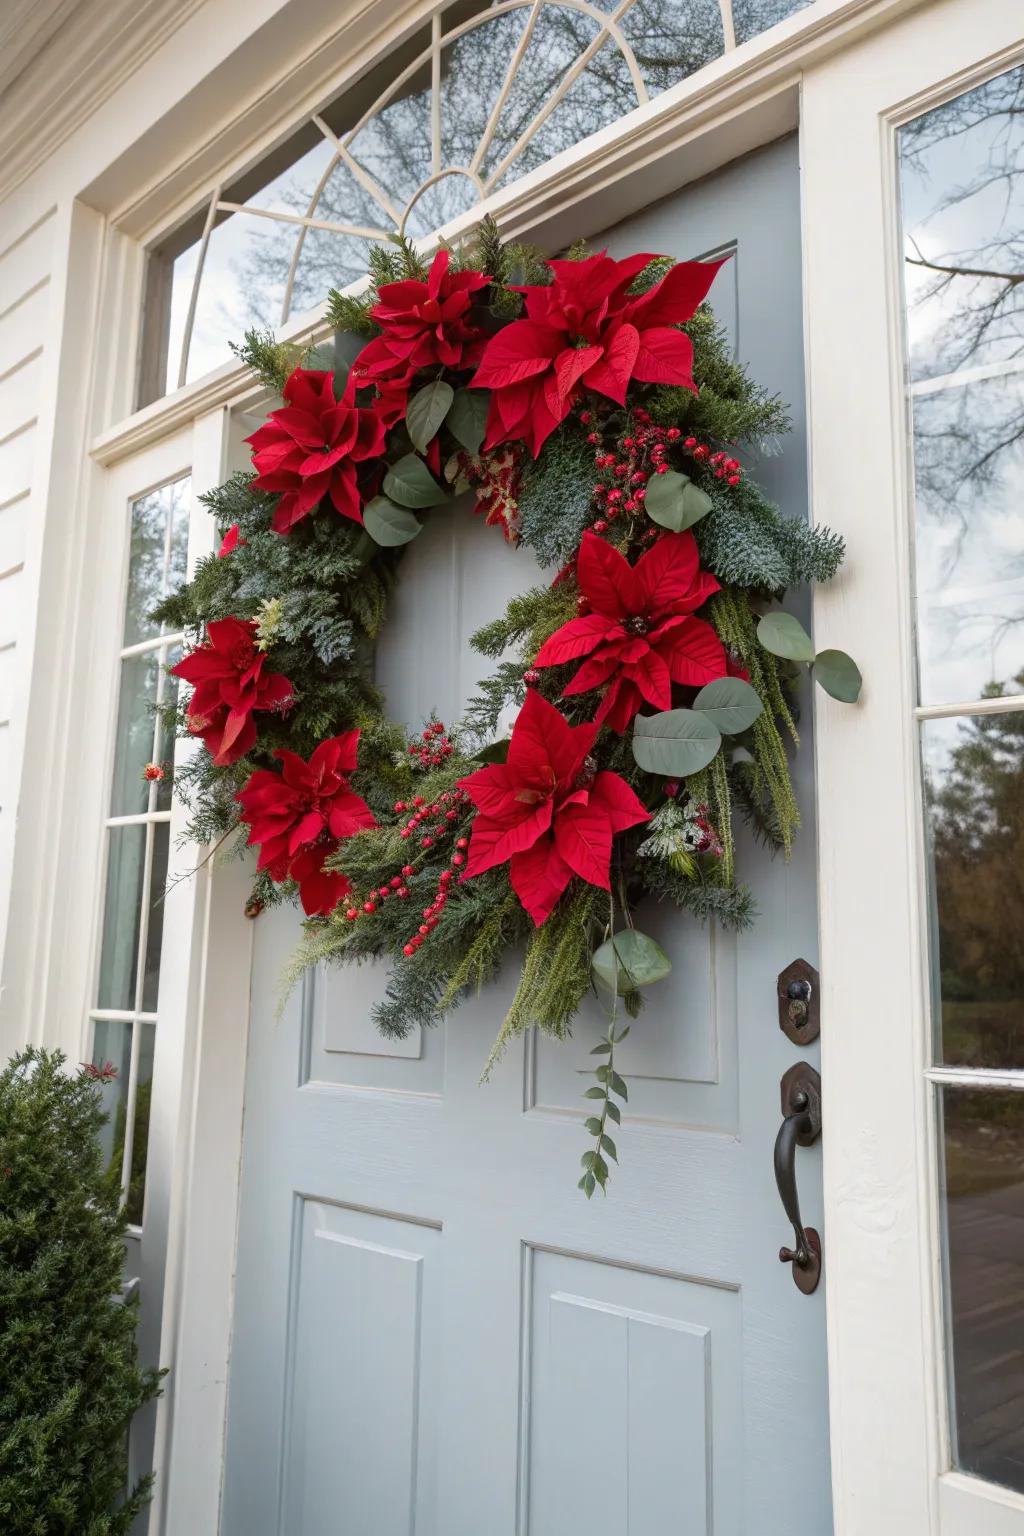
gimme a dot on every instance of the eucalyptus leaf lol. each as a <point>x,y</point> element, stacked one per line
<point>784,635</point>
<point>607,1145</point>
<point>426,410</point>
<point>839,675</point>
<point>467,419</point>
<point>676,743</point>
<point>629,959</point>
<point>674,501</point>
<point>410,483</point>
<point>389,525</point>
<point>614,1112</point>
<point>730,704</point>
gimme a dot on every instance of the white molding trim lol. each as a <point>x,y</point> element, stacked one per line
<point>79,57</point>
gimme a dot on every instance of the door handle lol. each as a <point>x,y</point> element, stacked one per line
<point>801,1126</point>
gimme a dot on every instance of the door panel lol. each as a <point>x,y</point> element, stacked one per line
<point>434,1330</point>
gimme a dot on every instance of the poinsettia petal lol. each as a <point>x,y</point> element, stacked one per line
<point>594,671</point>
<point>517,352</point>
<point>539,876</point>
<point>320,889</point>
<point>571,364</point>
<point>619,705</point>
<point>493,791</point>
<point>575,639</point>
<point>677,296</point>
<point>344,492</point>
<point>348,814</point>
<point>583,836</point>
<point>618,801</point>
<point>306,830</point>
<point>611,376</point>
<point>494,842</point>
<point>651,675</point>
<point>243,741</point>
<point>606,578</point>
<point>665,357</point>
<point>666,572</point>
<point>694,653</point>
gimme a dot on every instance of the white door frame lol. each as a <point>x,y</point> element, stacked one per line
<point>879,1189</point>
<point>890,1442</point>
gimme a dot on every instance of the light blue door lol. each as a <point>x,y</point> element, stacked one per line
<point>435,1333</point>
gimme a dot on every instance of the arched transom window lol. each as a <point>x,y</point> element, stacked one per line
<point>478,98</point>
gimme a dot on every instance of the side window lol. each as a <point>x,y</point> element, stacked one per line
<point>124,1016</point>
<point>962,186</point>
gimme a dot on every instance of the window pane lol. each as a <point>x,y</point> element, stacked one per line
<point>984,1216</point>
<point>112,1046</point>
<point>970,538</point>
<point>753,16</point>
<point>120,952</point>
<point>136,728</point>
<point>961,170</point>
<point>140,1141</point>
<point>156,561</point>
<point>962,187</point>
<point>671,41</point>
<point>155,932</point>
<point>165,735</point>
<point>974,793</point>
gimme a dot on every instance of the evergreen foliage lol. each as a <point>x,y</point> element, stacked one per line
<point>747,542</point>
<point>70,1381</point>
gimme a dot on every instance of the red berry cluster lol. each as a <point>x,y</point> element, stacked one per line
<point>396,887</point>
<point>432,750</point>
<point>627,469</point>
<point>449,806</point>
<point>432,913</point>
<point>154,772</point>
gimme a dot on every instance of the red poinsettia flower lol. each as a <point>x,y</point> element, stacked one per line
<point>309,449</point>
<point>229,680</point>
<point>546,811</point>
<point>424,324</point>
<point>640,636</point>
<point>583,332</point>
<point>300,815</point>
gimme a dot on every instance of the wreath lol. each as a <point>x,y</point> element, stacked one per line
<point>592,410</point>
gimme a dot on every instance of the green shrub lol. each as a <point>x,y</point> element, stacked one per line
<point>69,1375</point>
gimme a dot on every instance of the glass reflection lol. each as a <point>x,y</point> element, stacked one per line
<point>155,930</point>
<point>962,186</point>
<point>984,1214</point>
<point>671,41</point>
<point>751,17</point>
<point>120,951</point>
<point>157,553</point>
<point>112,1046</point>
<point>136,727</point>
<point>970,536</point>
<point>974,797</point>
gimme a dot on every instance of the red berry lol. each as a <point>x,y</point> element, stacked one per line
<point>403,891</point>
<point>383,892</point>
<point>661,469</point>
<point>458,858</point>
<point>417,799</point>
<point>424,928</point>
<point>531,677</point>
<point>408,869</point>
<point>733,480</point>
<point>673,434</point>
<point>593,437</point>
<point>586,417</point>
<point>352,914</point>
<point>399,806</point>
<point>600,526</point>
<point>426,842</point>
<point>407,949</point>
<point>369,906</point>
<point>427,911</point>
<point>396,881</point>
<point>463,842</point>
<point>446,875</point>
<point>405,832</point>
<point>691,442</point>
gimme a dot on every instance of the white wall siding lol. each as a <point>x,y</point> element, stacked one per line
<point>25,266</point>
